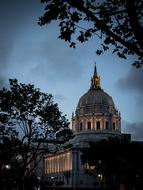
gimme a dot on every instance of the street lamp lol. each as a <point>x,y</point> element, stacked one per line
<point>53,179</point>
<point>100,176</point>
<point>7,167</point>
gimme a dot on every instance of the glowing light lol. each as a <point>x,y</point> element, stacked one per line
<point>7,166</point>
<point>100,176</point>
<point>58,163</point>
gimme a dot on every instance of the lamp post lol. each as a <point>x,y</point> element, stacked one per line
<point>7,167</point>
<point>53,179</point>
<point>100,176</point>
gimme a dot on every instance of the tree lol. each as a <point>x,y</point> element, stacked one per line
<point>8,152</point>
<point>117,23</point>
<point>8,143</point>
<point>116,160</point>
<point>36,118</point>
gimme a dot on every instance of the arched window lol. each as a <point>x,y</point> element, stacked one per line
<point>81,126</point>
<point>114,126</point>
<point>106,125</point>
<point>98,125</point>
<point>89,125</point>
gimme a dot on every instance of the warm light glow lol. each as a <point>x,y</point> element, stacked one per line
<point>58,163</point>
<point>7,166</point>
<point>100,176</point>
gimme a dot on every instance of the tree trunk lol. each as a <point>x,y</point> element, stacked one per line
<point>21,184</point>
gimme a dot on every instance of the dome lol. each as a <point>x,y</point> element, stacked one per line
<point>96,117</point>
<point>95,100</point>
<point>95,97</point>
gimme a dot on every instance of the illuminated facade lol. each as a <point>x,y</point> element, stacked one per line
<point>58,163</point>
<point>95,118</point>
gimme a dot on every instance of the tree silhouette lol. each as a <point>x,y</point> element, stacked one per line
<point>8,152</point>
<point>117,160</point>
<point>36,118</point>
<point>8,143</point>
<point>117,23</point>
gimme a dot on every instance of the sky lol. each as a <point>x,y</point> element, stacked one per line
<point>34,54</point>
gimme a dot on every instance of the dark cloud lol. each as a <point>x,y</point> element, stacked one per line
<point>135,129</point>
<point>51,58</point>
<point>133,83</point>
<point>58,66</point>
<point>24,44</point>
<point>15,17</point>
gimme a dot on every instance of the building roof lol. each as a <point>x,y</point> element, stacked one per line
<point>95,100</point>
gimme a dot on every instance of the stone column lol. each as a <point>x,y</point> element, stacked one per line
<point>75,162</point>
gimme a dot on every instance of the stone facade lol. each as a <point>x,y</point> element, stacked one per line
<point>95,118</point>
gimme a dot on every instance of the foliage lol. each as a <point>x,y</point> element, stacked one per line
<point>8,151</point>
<point>64,135</point>
<point>8,144</point>
<point>117,23</point>
<point>114,157</point>
<point>34,116</point>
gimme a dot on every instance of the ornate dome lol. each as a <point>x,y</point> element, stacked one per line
<point>96,117</point>
<point>95,100</point>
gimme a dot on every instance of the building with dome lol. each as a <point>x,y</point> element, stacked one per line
<point>95,118</point>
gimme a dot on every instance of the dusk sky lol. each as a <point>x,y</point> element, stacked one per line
<point>34,54</point>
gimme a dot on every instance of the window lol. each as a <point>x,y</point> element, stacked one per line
<point>88,125</point>
<point>106,125</point>
<point>81,182</point>
<point>80,126</point>
<point>98,125</point>
<point>114,127</point>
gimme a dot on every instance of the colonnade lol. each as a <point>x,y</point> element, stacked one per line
<point>58,163</point>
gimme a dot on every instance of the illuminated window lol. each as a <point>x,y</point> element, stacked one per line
<point>88,125</point>
<point>106,125</point>
<point>98,125</point>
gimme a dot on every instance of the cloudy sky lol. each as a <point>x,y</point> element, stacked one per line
<point>34,54</point>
